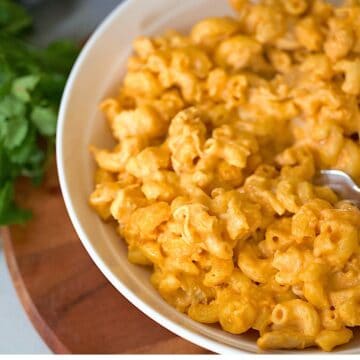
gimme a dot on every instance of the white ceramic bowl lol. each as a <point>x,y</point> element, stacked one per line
<point>96,74</point>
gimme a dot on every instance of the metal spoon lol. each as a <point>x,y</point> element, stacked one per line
<point>341,183</point>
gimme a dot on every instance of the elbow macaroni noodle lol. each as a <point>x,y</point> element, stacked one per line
<point>219,134</point>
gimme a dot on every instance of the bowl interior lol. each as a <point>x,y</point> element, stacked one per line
<point>97,74</point>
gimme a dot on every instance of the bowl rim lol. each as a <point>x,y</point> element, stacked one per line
<point>181,331</point>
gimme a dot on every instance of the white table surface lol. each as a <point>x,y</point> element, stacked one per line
<point>17,335</point>
<point>75,19</point>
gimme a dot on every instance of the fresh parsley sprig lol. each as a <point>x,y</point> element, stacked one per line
<point>31,84</point>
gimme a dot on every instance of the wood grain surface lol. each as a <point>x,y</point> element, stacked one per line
<point>71,304</point>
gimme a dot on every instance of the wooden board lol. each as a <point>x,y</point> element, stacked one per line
<point>71,304</point>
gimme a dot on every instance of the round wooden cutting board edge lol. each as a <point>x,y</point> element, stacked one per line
<point>40,325</point>
<point>71,304</point>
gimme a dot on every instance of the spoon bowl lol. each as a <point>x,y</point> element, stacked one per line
<point>341,183</point>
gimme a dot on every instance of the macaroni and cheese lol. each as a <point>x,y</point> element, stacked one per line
<point>219,133</point>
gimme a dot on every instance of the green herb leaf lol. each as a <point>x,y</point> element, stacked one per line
<point>7,169</point>
<point>13,18</point>
<point>9,212</point>
<point>12,107</point>
<point>14,215</point>
<point>21,154</point>
<point>59,56</point>
<point>44,118</point>
<point>31,85</point>
<point>15,133</point>
<point>6,75</point>
<point>21,87</point>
